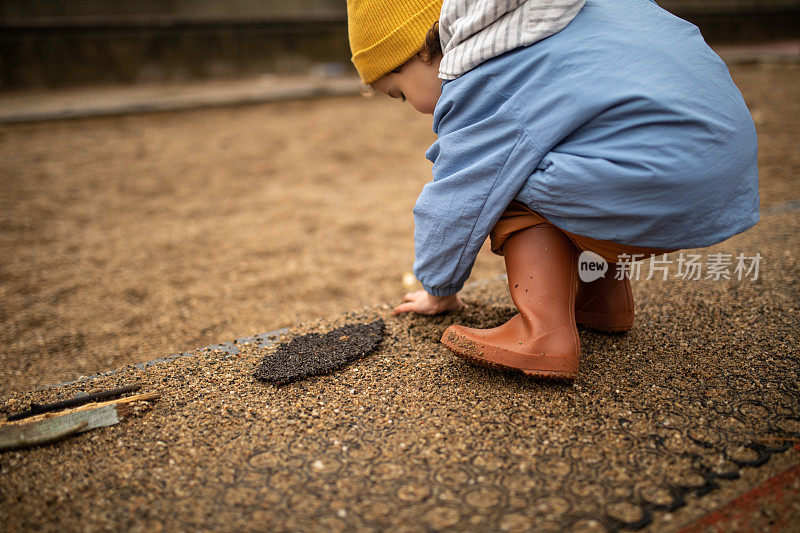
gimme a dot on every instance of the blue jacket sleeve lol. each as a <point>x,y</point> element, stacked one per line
<point>481,159</point>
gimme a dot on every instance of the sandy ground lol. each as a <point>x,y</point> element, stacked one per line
<point>129,238</point>
<point>696,405</point>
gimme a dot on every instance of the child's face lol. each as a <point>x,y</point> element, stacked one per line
<point>415,81</point>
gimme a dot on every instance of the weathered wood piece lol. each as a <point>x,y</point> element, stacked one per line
<point>37,409</point>
<point>50,427</point>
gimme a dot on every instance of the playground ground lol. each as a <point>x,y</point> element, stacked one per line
<point>130,238</point>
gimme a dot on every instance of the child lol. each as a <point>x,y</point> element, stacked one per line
<point>563,126</point>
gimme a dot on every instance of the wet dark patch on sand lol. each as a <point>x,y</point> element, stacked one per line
<point>315,354</point>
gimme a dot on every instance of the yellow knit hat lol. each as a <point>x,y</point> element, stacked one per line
<point>384,34</point>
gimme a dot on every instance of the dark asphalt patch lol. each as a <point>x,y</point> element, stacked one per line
<point>315,354</point>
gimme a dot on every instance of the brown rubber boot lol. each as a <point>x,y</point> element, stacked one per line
<point>605,304</point>
<point>542,339</point>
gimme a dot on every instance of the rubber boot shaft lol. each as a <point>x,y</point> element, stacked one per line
<point>605,304</point>
<point>542,339</point>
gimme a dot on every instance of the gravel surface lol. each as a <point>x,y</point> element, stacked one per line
<point>129,238</point>
<point>655,432</point>
<point>700,401</point>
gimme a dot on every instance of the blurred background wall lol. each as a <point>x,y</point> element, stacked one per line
<point>57,43</point>
<point>73,42</point>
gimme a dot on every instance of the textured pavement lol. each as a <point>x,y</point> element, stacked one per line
<point>698,404</point>
<point>690,421</point>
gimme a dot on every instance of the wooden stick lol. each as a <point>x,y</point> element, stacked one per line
<point>24,442</point>
<point>49,427</point>
<point>37,409</point>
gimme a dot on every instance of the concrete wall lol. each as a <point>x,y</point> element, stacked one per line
<point>740,21</point>
<point>51,43</point>
<point>59,56</point>
<point>221,9</point>
<point>121,10</point>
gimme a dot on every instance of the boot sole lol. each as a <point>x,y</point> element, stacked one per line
<point>605,322</point>
<point>496,362</point>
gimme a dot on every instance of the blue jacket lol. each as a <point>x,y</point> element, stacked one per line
<point>625,126</point>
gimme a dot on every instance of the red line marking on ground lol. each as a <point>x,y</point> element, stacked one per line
<point>744,512</point>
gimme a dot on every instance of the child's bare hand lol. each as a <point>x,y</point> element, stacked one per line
<point>426,304</point>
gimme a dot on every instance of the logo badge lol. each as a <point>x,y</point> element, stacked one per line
<point>591,266</point>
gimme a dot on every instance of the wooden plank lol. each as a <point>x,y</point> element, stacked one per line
<point>49,427</point>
